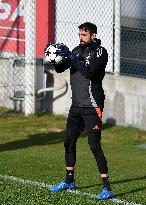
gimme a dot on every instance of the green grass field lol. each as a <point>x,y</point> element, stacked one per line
<point>31,150</point>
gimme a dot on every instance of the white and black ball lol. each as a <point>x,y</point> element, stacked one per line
<point>52,54</point>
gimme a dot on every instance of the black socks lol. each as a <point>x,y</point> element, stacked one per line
<point>69,176</point>
<point>106,183</point>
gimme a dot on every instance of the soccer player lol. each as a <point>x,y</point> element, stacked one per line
<point>87,63</point>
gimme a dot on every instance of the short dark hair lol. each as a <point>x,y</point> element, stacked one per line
<point>87,26</point>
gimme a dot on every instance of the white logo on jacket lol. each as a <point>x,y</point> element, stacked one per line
<point>87,60</point>
<point>99,52</point>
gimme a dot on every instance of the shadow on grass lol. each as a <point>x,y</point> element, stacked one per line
<point>131,191</point>
<point>107,126</point>
<point>40,139</point>
<point>116,195</point>
<point>141,178</point>
<point>128,180</point>
<point>119,182</point>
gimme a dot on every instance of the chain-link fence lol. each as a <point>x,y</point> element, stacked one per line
<point>121,28</point>
<point>70,14</point>
<point>133,38</point>
<point>17,56</point>
<point>11,48</point>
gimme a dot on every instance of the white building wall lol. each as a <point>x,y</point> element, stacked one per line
<point>125,102</point>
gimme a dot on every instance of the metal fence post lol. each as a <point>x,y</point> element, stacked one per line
<point>30,56</point>
<point>117,39</point>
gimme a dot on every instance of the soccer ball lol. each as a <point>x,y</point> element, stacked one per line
<point>52,54</point>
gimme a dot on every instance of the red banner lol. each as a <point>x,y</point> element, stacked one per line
<point>45,24</point>
<point>12,25</point>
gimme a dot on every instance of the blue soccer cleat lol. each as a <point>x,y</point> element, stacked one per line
<point>105,194</point>
<point>63,186</point>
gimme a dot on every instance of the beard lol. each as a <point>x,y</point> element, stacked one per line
<point>84,44</point>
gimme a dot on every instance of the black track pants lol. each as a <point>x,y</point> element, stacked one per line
<point>90,119</point>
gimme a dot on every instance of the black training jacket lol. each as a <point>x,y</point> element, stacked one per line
<point>86,74</point>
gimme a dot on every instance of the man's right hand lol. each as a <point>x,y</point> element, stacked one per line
<point>64,51</point>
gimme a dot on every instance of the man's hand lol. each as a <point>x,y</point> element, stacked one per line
<point>53,52</point>
<point>74,56</point>
<point>64,51</point>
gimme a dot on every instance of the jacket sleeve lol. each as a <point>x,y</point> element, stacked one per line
<point>59,68</point>
<point>94,64</point>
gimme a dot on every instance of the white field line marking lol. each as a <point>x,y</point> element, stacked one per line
<point>43,185</point>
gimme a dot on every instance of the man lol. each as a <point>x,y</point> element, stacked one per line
<point>87,63</point>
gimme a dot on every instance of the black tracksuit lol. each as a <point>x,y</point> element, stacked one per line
<point>86,75</point>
